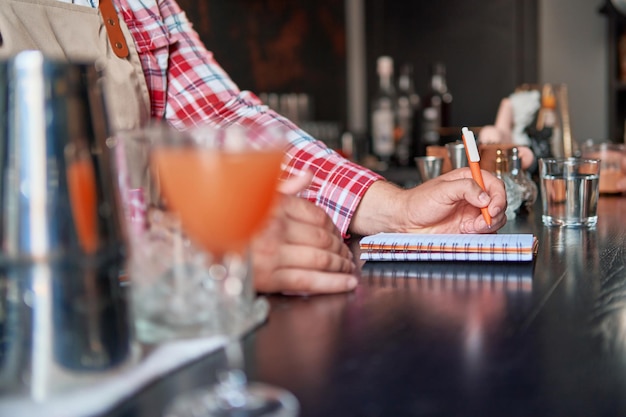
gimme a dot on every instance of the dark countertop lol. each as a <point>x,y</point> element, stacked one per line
<point>543,339</point>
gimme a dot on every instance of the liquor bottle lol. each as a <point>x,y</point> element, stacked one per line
<point>529,188</point>
<point>513,190</point>
<point>407,107</point>
<point>383,112</point>
<point>436,107</point>
<point>551,120</point>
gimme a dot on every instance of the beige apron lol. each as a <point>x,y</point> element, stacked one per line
<point>77,34</point>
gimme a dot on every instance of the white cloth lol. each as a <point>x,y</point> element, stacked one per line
<point>95,394</point>
<point>525,105</point>
<point>99,395</point>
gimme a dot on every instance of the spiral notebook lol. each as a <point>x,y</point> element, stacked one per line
<point>449,247</point>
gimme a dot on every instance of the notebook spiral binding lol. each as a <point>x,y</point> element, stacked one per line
<point>404,247</point>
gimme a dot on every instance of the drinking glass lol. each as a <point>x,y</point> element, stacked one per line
<point>569,191</point>
<point>456,152</point>
<point>173,295</point>
<point>221,184</point>
<point>429,167</point>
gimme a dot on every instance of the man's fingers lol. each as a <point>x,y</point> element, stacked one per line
<point>296,183</point>
<point>307,257</point>
<point>307,235</point>
<point>301,281</point>
<point>305,212</point>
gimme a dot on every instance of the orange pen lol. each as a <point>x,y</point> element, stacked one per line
<point>473,158</point>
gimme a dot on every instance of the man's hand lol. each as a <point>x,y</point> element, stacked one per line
<point>300,251</point>
<point>450,203</point>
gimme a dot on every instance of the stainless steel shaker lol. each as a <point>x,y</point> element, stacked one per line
<point>63,315</point>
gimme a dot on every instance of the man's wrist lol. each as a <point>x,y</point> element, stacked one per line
<point>378,209</point>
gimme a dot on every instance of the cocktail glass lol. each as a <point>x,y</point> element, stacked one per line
<point>221,183</point>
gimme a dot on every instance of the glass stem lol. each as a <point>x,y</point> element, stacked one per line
<point>232,381</point>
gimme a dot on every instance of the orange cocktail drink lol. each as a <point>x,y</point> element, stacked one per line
<point>222,198</point>
<point>221,184</point>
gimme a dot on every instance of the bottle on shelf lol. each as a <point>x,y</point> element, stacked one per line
<point>436,106</point>
<point>529,188</point>
<point>384,113</point>
<point>513,190</point>
<point>549,121</point>
<point>407,108</point>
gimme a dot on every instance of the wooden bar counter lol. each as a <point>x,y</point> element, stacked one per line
<point>547,339</point>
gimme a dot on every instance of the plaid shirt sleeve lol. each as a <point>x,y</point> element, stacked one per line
<point>188,87</point>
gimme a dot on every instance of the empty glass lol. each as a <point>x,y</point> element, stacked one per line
<point>456,152</point>
<point>429,167</point>
<point>173,295</point>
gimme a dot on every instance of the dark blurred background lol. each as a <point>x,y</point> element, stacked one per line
<point>488,46</point>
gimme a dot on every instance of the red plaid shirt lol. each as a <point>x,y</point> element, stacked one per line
<point>188,87</point>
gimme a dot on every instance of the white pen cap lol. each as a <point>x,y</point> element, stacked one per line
<point>470,145</point>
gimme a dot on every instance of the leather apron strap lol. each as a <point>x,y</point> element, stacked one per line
<point>112,24</point>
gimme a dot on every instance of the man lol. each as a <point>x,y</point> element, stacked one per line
<point>302,249</point>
